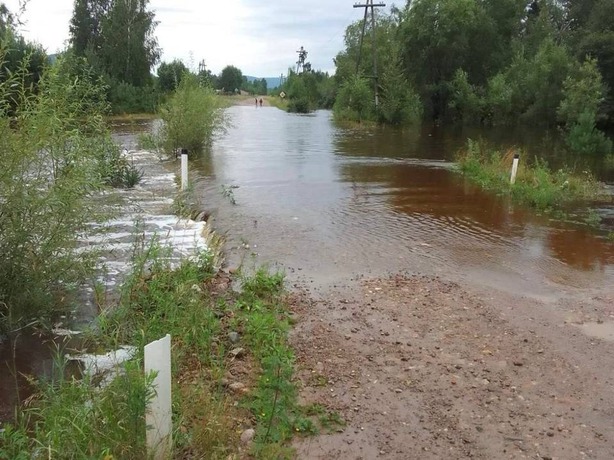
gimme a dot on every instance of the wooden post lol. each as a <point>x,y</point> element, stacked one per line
<point>159,410</point>
<point>514,168</point>
<point>184,169</point>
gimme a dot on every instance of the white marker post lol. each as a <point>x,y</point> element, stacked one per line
<point>158,417</point>
<point>184,169</point>
<point>514,168</point>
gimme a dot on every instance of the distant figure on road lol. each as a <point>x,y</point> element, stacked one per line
<point>260,102</point>
<point>256,102</point>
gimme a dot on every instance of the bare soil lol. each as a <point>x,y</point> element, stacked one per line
<point>423,368</point>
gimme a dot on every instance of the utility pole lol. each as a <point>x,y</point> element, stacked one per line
<point>366,6</point>
<point>301,65</point>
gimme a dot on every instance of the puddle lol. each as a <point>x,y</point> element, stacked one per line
<point>603,331</point>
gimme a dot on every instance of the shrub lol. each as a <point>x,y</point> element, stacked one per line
<point>464,104</point>
<point>115,170</point>
<point>50,151</point>
<point>584,137</point>
<point>192,116</point>
<point>126,98</point>
<point>354,101</point>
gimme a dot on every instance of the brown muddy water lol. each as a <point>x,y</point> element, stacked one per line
<point>329,203</point>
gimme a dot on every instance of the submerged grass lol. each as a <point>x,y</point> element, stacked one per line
<point>536,184</point>
<point>219,338</point>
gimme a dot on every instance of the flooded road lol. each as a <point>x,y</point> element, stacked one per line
<point>328,203</point>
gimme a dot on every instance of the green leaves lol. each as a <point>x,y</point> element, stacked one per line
<point>192,116</point>
<point>50,155</point>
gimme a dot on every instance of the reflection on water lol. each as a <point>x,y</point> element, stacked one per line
<point>357,199</point>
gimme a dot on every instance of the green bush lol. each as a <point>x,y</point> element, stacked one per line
<point>126,98</point>
<point>76,419</point>
<point>355,101</point>
<point>115,170</point>
<point>464,102</point>
<point>192,116</point>
<point>584,137</point>
<point>50,149</point>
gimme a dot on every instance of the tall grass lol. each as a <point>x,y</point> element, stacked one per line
<point>536,184</point>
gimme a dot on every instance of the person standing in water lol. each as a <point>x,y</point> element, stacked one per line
<point>260,102</point>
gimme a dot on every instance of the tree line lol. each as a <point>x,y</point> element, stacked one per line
<point>548,63</point>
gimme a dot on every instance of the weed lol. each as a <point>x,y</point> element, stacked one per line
<point>536,185</point>
<point>332,421</point>
<point>263,285</point>
<point>227,192</point>
<point>150,141</point>
<point>74,419</point>
<point>592,219</point>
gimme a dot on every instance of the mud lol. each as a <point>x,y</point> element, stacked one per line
<point>421,367</point>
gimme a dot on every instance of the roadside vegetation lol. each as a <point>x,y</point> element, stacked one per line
<point>57,154</point>
<point>191,116</point>
<point>536,184</point>
<point>232,372</point>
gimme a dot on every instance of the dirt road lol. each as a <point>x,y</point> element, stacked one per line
<point>421,368</point>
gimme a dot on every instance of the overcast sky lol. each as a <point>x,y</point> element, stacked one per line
<point>260,37</point>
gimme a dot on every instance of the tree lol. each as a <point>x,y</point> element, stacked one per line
<point>18,55</point>
<point>580,110</point>
<point>355,100</point>
<point>129,49</point>
<point>441,36</point>
<point>170,75</point>
<point>86,26</point>
<point>230,79</point>
<point>117,36</point>
<point>593,36</point>
<point>400,104</point>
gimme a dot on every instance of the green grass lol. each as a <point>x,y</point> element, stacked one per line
<point>72,418</point>
<point>278,102</point>
<point>536,184</point>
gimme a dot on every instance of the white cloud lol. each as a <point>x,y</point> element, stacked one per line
<point>259,37</point>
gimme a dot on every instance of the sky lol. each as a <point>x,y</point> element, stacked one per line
<point>260,37</point>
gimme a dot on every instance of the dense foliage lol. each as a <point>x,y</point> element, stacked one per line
<point>542,62</point>
<point>117,38</point>
<point>308,90</point>
<point>56,152</point>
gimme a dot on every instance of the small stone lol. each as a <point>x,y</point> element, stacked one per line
<point>518,363</point>
<point>237,352</point>
<point>398,390</point>
<point>248,435</point>
<point>237,387</point>
<point>233,337</point>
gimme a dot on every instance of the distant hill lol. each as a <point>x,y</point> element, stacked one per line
<point>271,82</point>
